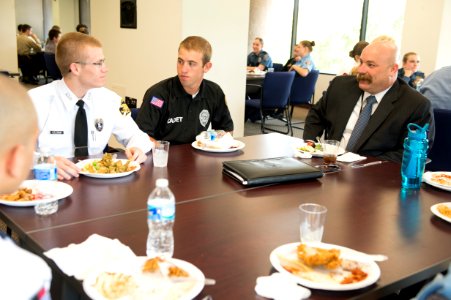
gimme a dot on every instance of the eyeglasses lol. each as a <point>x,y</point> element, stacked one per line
<point>99,64</point>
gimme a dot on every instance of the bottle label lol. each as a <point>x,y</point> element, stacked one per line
<point>45,172</point>
<point>161,213</point>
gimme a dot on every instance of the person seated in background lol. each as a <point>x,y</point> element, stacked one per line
<point>304,66</point>
<point>82,28</point>
<point>258,58</point>
<point>23,275</point>
<point>179,108</point>
<point>437,88</point>
<point>296,57</point>
<point>54,36</point>
<point>80,100</point>
<point>355,54</point>
<point>409,71</point>
<point>388,103</point>
<point>28,50</point>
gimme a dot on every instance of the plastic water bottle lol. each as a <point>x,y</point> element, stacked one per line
<point>160,219</point>
<point>414,158</point>
<point>45,167</point>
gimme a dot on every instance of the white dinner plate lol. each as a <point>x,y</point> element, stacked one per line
<point>434,210</point>
<point>82,163</point>
<point>366,263</point>
<point>318,153</point>
<point>427,177</point>
<point>149,286</point>
<point>52,190</point>
<point>239,145</point>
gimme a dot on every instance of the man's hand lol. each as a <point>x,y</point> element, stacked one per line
<point>66,169</point>
<point>135,154</point>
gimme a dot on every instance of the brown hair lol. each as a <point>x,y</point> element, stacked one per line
<point>406,56</point>
<point>70,49</point>
<point>308,44</point>
<point>198,43</point>
<point>358,48</point>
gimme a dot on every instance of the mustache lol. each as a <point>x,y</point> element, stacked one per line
<point>364,77</point>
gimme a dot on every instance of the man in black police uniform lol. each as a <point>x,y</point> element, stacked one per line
<point>179,108</point>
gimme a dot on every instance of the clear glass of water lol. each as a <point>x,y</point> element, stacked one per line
<point>161,154</point>
<point>313,218</point>
<point>46,208</point>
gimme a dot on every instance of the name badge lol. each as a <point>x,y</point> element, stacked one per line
<point>56,132</point>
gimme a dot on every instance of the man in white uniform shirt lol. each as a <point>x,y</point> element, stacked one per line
<point>82,63</point>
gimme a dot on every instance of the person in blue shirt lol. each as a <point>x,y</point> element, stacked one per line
<point>409,71</point>
<point>304,66</point>
<point>258,58</point>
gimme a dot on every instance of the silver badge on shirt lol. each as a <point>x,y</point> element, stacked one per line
<point>204,116</point>
<point>98,123</point>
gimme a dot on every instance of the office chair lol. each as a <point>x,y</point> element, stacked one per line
<point>274,97</point>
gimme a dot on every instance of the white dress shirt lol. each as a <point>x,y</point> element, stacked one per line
<point>356,112</point>
<point>56,108</point>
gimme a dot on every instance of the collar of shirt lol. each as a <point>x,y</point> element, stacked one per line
<point>72,98</point>
<point>180,91</point>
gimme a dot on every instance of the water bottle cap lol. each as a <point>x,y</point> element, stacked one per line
<point>162,182</point>
<point>417,132</point>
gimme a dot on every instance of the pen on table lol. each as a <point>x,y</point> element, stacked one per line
<point>377,162</point>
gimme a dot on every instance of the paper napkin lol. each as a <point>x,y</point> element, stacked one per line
<point>350,157</point>
<point>280,287</point>
<point>94,254</point>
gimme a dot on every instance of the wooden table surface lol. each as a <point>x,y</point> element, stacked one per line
<point>228,230</point>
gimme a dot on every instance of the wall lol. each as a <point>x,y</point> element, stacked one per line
<point>31,13</point>
<point>8,48</point>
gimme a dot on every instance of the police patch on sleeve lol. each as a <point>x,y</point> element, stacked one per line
<point>204,116</point>
<point>124,108</point>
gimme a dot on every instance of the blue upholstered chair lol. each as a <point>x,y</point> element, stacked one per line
<point>441,149</point>
<point>275,95</point>
<point>50,64</point>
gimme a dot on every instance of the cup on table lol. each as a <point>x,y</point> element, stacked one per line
<point>270,69</point>
<point>161,153</point>
<point>46,208</point>
<point>313,217</point>
<point>330,151</point>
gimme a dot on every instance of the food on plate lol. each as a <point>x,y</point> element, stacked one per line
<point>167,268</point>
<point>108,165</point>
<point>175,271</point>
<point>311,147</point>
<point>322,265</point>
<point>216,139</point>
<point>115,285</point>
<point>444,210</point>
<point>441,178</point>
<point>152,265</point>
<point>24,194</point>
<point>313,256</point>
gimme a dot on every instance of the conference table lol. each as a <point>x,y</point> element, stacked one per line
<point>228,230</point>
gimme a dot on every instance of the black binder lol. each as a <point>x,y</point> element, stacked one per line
<point>270,170</point>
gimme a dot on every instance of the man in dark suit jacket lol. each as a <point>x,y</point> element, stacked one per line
<point>397,105</point>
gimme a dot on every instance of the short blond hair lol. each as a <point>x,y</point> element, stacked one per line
<point>198,43</point>
<point>18,120</point>
<point>70,49</point>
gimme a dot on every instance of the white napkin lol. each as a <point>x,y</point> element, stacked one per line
<point>350,157</point>
<point>280,287</point>
<point>94,254</point>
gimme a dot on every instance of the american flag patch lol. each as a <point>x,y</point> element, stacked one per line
<point>157,102</point>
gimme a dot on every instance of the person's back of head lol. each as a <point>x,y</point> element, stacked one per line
<point>199,44</point>
<point>24,28</point>
<point>358,48</point>
<point>308,44</point>
<point>53,33</point>
<point>18,131</point>
<point>70,49</point>
<point>82,28</point>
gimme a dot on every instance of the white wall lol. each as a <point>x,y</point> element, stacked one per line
<point>8,47</point>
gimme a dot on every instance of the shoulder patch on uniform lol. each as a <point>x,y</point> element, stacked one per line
<point>124,108</point>
<point>156,102</point>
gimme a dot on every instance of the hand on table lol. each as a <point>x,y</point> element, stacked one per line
<point>135,154</point>
<point>66,168</point>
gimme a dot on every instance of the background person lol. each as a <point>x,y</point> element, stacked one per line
<point>258,58</point>
<point>52,41</point>
<point>177,109</point>
<point>28,51</point>
<point>304,66</point>
<point>437,88</point>
<point>23,275</point>
<point>355,55</point>
<point>82,63</point>
<point>395,105</point>
<point>409,71</point>
<point>296,57</point>
<point>82,28</point>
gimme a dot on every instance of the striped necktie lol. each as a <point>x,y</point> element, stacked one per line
<point>363,120</point>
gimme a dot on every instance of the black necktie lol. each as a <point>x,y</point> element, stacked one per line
<point>363,120</point>
<point>81,131</point>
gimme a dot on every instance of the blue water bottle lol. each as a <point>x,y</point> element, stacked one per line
<point>414,158</point>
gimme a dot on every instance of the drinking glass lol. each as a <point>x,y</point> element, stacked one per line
<point>313,218</point>
<point>161,154</point>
